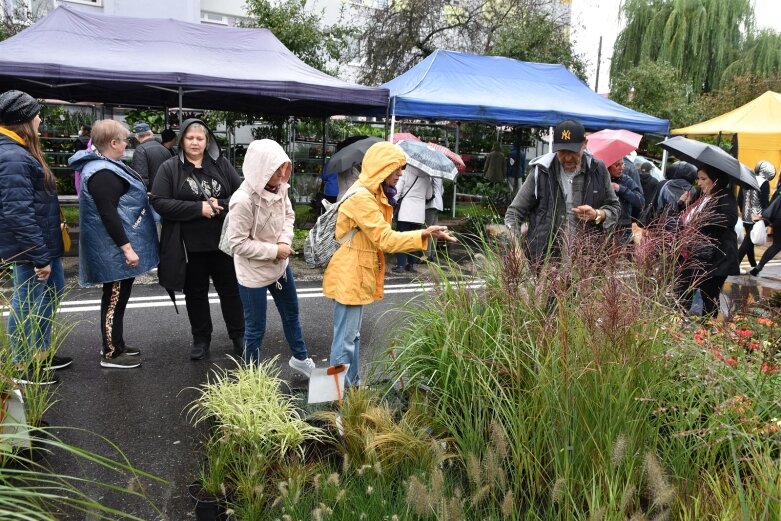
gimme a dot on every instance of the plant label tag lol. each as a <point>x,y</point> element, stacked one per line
<point>323,386</point>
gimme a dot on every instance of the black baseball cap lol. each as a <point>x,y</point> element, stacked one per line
<point>569,135</point>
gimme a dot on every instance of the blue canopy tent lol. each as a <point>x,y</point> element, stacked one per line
<point>77,56</point>
<point>467,87</point>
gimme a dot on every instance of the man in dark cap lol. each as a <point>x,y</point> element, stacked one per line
<point>566,191</point>
<point>149,154</point>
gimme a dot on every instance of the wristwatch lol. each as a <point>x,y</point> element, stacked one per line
<point>599,218</point>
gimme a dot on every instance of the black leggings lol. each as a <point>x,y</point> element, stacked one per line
<point>112,315</point>
<point>774,248</point>
<point>747,246</point>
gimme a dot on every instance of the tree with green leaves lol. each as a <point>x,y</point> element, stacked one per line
<point>654,88</point>
<point>699,38</point>
<point>399,35</point>
<point>300,30</point>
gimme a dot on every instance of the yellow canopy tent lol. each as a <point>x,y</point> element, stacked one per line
<point>758,126</point>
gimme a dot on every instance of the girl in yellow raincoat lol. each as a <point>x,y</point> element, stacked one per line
<point>355,276</point>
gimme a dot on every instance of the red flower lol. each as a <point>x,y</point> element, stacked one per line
<point>745,333</point>
<point>765,322</point>
<point>699,336</point>
<point>753,345</point>
<point>731,362</point>
<point>769,368</point>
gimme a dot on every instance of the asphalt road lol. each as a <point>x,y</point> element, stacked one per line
<point>142,410</point>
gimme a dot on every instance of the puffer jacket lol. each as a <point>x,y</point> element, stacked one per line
<point>356,273</point>
<point>260,219</point>
<point>100,260</point>
<point>29,213</point>
<point>413,190</point>
<point>540,201</point>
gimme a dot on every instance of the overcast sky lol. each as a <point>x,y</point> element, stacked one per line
<point>594,18</point>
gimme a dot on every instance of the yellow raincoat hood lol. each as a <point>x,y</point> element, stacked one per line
<point>379,161</point>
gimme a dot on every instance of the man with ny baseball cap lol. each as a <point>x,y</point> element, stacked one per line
<point>566,190</point>
<point>149,154</point>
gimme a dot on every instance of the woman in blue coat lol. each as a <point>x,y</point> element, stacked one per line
<point>30,237</point>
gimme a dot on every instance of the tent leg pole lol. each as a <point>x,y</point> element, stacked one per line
<point>455,184</point>
<point>181,95</point>
<point>393,120</point>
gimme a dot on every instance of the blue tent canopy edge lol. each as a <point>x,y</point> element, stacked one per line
<point>459,86</point>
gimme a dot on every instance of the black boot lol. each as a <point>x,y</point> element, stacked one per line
<point>200,348</point>
<point>238,345</point>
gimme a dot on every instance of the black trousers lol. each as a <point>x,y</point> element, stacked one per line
<point>774,248</point>
<point>112,315</point>
<point>406,259</point>
<point>747,247</point>
<point>201,266</point>
<point>710,289</point>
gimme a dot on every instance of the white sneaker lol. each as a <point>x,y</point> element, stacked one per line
<point>302,366</point>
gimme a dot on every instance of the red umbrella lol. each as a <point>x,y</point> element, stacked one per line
<point>455,158</point>
<point>404,135</point>
<point>612,145</point>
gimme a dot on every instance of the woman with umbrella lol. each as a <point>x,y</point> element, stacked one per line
<point>714,214</point>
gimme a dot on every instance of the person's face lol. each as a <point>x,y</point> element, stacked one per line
<point>570,160</point>
<point>705,182</point>
<point>36,123</point>
<point>616,169</point>
<point>194,143</point>
<point>280,176</point>
<point>116,147</point>
<point>393,178</point>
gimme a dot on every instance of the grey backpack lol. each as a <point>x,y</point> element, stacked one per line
<point>321,243</point>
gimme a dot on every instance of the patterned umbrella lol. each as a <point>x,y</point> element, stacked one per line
<point>455,158</point>
<point>428,159</point>
<point>404,135</point>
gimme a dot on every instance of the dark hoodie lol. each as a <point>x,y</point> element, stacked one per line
<point>179,201</point>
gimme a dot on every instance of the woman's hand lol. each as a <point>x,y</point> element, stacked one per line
<point>438,232</point>
<point>685,197</point>
<point>756,217</point>
<point>131,257</point>
<point>43,273</point>
<point>283,251</point>
<point>210,208</point>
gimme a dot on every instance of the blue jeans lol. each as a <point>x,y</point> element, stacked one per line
<point>345,348</point>
<point>255,304</point>
<point>32,307</point>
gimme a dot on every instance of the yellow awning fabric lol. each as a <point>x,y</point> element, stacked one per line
<point>758,126</point>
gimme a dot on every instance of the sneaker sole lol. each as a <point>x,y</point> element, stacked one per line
<point>22,381</point>
<point>300,371</point>
<point>136,353</point>
<point>112,365</point>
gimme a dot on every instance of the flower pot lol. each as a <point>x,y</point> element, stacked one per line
<point>13,421</point>
<point>207,506</point>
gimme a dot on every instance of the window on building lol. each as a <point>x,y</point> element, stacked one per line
<point>98,3</point>
<point>213,18</point>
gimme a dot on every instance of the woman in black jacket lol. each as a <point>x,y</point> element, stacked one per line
<point>191,193</point>
<point>30,235</point>
<point>707,267</point>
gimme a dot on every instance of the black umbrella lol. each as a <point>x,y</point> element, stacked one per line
<point>710,156</point>
<point>351,154</point>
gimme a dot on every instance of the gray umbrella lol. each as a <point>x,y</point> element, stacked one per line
<point>710,156</point>
<point>351,155</point>
<point>429,160</point>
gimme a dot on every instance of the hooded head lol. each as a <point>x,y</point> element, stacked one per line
<point>263,158</point>
<point>766,170</point>
<point>379,162</point>
<point>682,170</point>
<point>212,148</point>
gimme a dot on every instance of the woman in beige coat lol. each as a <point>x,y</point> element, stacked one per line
<point>260,232</point>
<point>356,274</point>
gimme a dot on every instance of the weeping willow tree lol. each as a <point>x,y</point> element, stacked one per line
<point>761,57</point>
<point>699,38</point>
